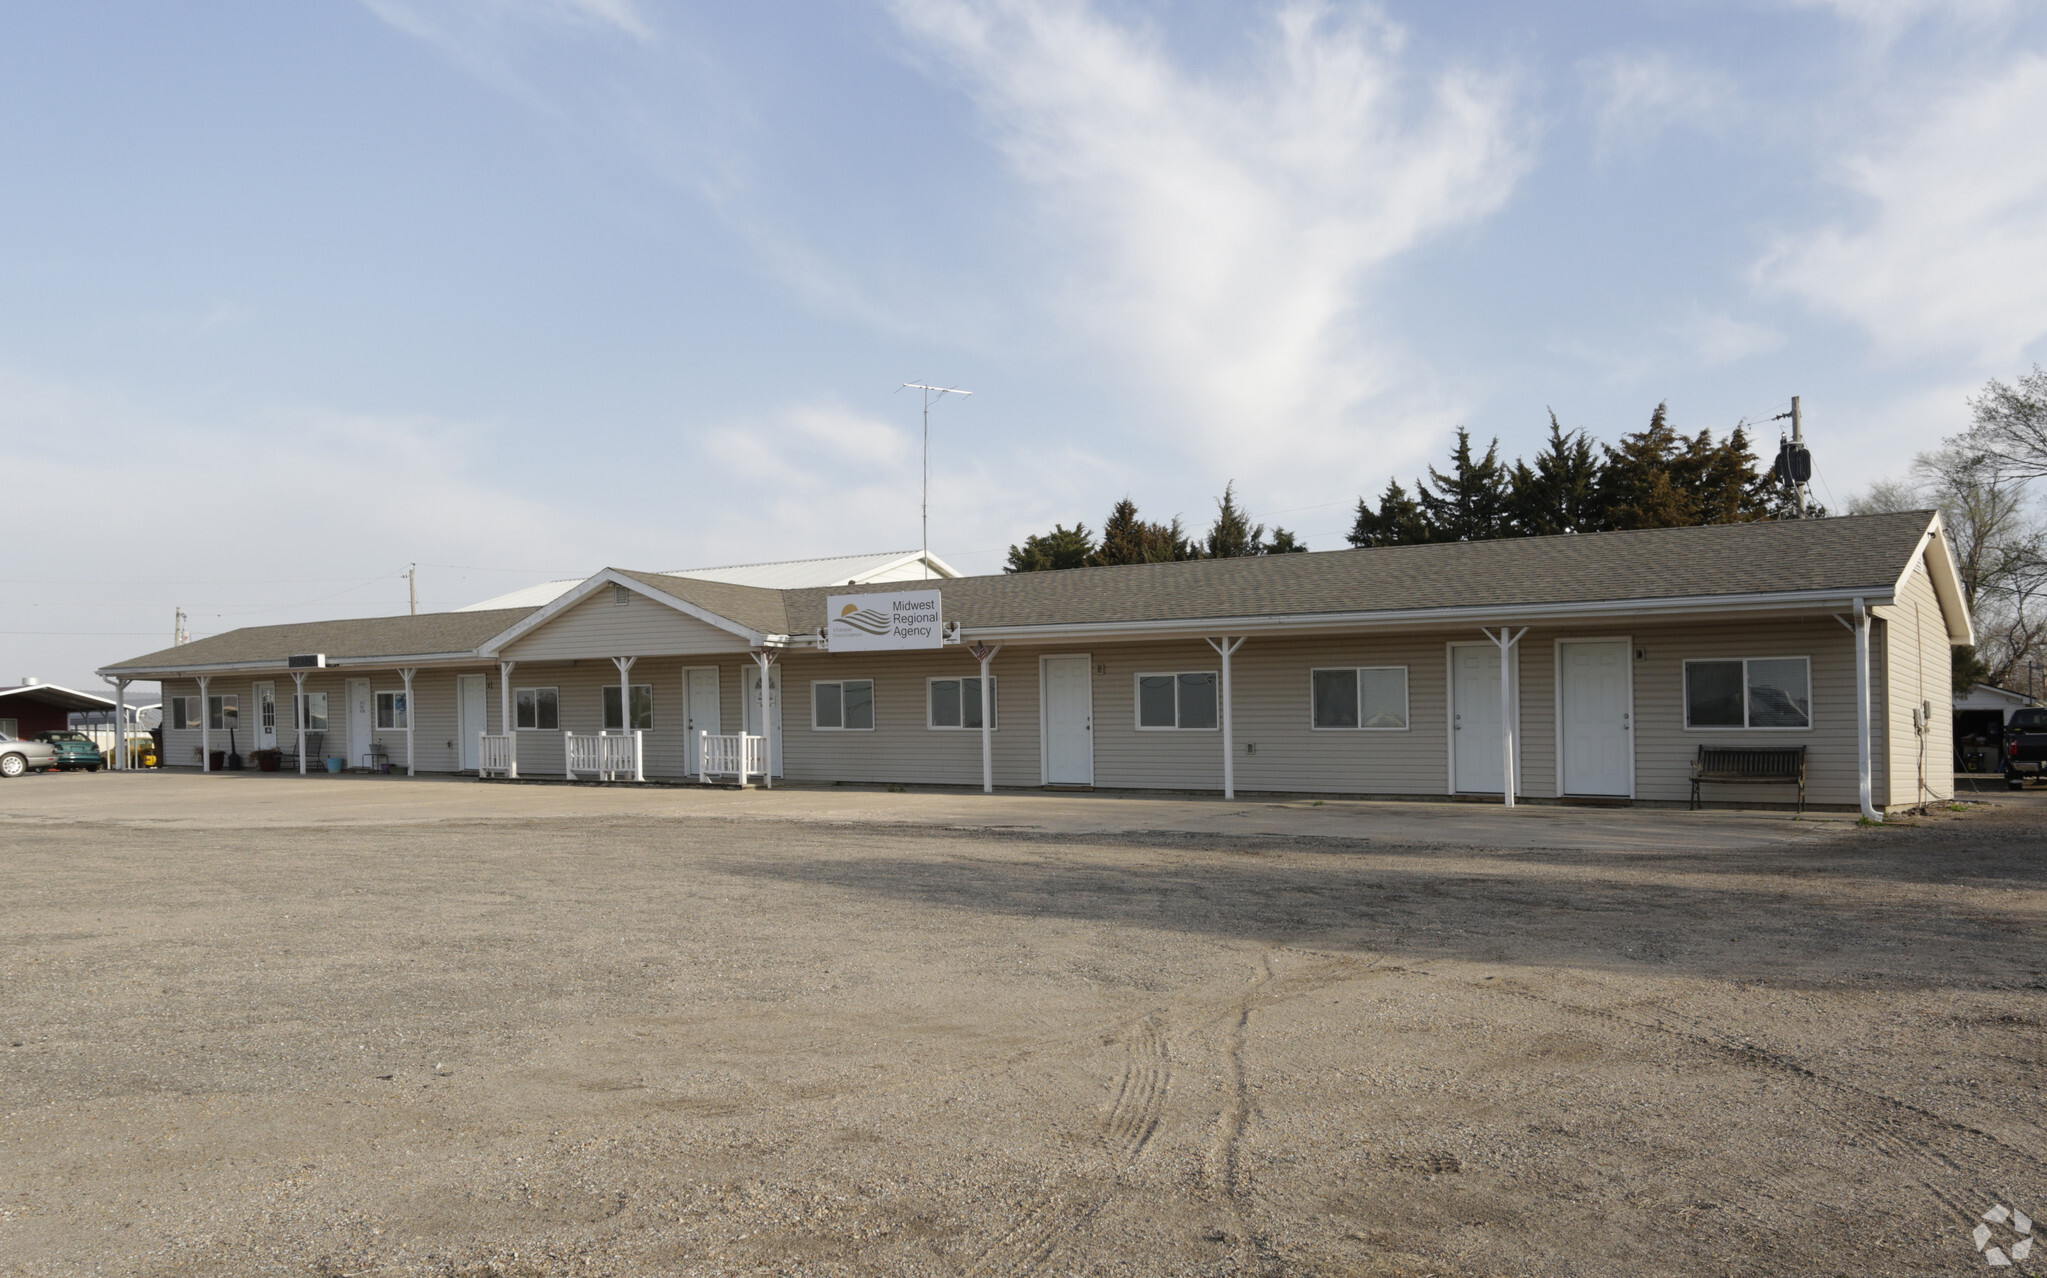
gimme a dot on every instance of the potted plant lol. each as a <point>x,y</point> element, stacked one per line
<point>269,760</point>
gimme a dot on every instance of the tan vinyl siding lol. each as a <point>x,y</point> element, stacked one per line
<point>599,627</point>
<point>901,748</point>
<point>1918,671</point>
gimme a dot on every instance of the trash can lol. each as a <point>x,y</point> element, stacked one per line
<point>334,762</point>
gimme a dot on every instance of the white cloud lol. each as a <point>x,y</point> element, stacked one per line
<point>1636,96</point>
<point>1889,18</point>
<point>1713,338</point>
<point>1218,234</point>
<point>433,19</point>
<point>1952,253</point>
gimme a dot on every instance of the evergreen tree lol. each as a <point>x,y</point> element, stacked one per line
<point>1063,547</point>
<point>1470,503</point>
<point>1283,543</point>
<point>1397,522</point>
<point>1560,493</point>
<point>1233,535</point>
<point>1730,487</point>
<point>1126,539</point>
<point>1640,487</point>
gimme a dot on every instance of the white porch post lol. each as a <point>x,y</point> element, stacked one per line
<point>1864,781</point>
<point>406,673</point>
<point>298,714</point>
<point>205,726</point>
<point>1226,646</point>
<point>1505,641</point>
<point>625,692</point>
<point>120,723</point>
<point>985,653</point>
<point>765,658</point>
<point>511,737</point>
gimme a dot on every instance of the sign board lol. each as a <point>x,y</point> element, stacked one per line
<point>900,621</point>
<point>306,661</point>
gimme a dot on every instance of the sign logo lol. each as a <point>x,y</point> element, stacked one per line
<point>899,622</point>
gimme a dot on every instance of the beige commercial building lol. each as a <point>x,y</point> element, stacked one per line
<point>1592,666</point>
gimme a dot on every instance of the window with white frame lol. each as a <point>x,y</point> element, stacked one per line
<point>266,711</point>
<point>1185,700</point>
<point>184,713</point>
<point>392,712</point>
<point>842,705</point>
<point>1371,698</point>
<point>956,703</point>
<point>643,708</point>
<point>223,711</point>
<point>1750,692</point>
<point>316,712</point>
<point>537,709</point>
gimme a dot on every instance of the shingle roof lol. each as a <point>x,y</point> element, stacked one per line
<point>360,637</point>
<point>1849,555</point>
<point>1857,553</point>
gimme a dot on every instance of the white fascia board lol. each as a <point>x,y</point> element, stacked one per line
<point>1946,577</point>
<point>381,662</point>
<point>56,687</point>
<point>1435,618</point>
<point>610,577</point>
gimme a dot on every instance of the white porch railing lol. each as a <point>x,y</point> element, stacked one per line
<point>734,755</point>
<point>613,756</point>
<point>495,753</point>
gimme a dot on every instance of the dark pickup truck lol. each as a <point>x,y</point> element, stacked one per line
<point>2025,746</point>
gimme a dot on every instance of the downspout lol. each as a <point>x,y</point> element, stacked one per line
<point>1862,745</point>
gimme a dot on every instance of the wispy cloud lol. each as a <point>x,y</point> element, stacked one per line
<point>1636,96</point>
<point>1951,254</point>
<point>1220,232</point>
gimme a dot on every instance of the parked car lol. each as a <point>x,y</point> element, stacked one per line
<point>74,749</point>
<point>2025,746</point>
<point>17,757</point>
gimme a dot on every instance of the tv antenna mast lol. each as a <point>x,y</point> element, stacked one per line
<point>930,393</point>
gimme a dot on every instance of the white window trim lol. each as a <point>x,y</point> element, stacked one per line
<point>537,689</point>
<point>309,695</point>
<point>994,704</point>
<point>815,726</point>
<point>1137,701</point>
<point>376,710</point>
<point>1406,700</point>
<point>194,709</point>
<point>625,711</point>
<point>1685,695</point>
<point>224,698</point>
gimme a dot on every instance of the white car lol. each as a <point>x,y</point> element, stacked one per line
<point>17,757</point>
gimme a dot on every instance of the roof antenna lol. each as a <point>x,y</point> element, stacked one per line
<point>929,391</point>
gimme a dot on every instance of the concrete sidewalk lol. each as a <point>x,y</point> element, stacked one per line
<point>248,800</point>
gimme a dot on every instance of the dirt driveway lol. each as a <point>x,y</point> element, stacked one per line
<point>694,1044</point>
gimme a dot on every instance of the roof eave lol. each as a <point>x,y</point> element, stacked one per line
<point>376,661</point>
<point>1946,577</point>
<point>491,648</point>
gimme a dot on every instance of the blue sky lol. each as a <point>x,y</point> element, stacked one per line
<point>293,295</point>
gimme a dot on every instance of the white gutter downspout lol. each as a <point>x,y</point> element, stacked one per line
<point>1862,748</point>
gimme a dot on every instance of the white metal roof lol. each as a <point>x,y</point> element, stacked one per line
<point>787,574</point>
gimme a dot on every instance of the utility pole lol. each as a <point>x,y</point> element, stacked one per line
<point>412,585</point>
<point>929,391</point>
<point>179,637</point>
<point>1797,444</point>
<point>1794,463</point>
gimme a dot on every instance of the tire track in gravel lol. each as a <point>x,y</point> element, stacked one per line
<point>1223,1170</point>
<point>1888,1131</point>
<point>1139,1101</point>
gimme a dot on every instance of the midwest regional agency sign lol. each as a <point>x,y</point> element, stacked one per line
<point>895,622</point>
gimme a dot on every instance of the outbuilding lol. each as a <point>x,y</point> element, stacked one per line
<point>1576,667</point>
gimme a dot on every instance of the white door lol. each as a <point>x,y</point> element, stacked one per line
<point>1069,720</point>
<point>1594,713</point>
<point>472,712</point>
<point>752,690</point>
<point>1475,734</point>
<point>700,696</point>
<point>361,726</point>
<point>266,716</point>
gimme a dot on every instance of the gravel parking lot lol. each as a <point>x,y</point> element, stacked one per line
<point>643,1043</point>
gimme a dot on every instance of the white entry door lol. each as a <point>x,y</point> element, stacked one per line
<point>1595,714</point>
<point>1475,732</point>
<point>700,696</point>
<point>472,713</point>
<point>1069,720</point>
<point>266,716</point>
<point>752,688</point>
<point>361,726</point>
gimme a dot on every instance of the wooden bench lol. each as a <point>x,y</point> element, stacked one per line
<point>1750,765</point>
